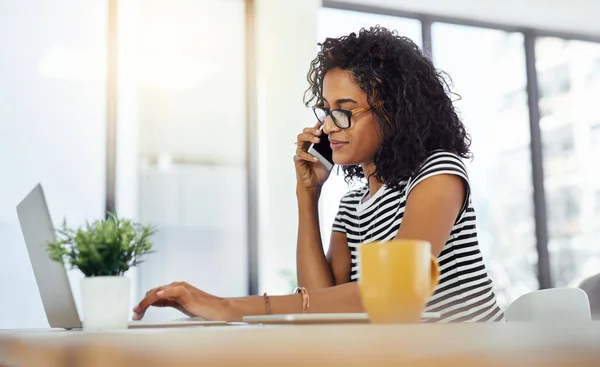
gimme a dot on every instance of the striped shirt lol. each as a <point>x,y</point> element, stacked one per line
<point>464,292</point>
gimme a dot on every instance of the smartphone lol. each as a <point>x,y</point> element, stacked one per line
<point>322,150</point>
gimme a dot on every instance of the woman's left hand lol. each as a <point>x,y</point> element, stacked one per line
<point>189,300</point>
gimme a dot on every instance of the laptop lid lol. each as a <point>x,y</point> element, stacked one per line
<point>50,276</point>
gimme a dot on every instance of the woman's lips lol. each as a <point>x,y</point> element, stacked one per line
<point>336,144</point>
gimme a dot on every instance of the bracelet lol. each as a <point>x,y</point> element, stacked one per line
<point>267,303</point>
<point>305,298</point>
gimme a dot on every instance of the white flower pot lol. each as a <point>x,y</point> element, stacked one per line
<point>106,302</point>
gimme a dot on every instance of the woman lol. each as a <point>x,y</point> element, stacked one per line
<point>390,123</point>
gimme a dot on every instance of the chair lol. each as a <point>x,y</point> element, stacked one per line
<point>591,286</point>
<point>551,305</point>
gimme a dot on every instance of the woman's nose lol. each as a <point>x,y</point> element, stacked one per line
<point>329,126</point>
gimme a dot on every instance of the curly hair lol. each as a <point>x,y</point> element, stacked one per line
<point>408,96</point>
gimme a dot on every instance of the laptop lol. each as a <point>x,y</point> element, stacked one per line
<point>322,318</point>
<point>51,277</point>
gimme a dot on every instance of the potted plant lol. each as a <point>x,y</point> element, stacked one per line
<point>103,251</point>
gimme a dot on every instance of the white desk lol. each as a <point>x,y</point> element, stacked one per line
<point>498,344</point>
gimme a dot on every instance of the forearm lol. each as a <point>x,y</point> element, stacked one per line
<point>313,269</point>
<point>343,298</point>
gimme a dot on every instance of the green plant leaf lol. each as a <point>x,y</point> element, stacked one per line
<point>103,247</point>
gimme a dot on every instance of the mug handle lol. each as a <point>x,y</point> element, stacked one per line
<point>435,273</point>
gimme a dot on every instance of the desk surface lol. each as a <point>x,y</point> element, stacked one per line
<point>498,344</point>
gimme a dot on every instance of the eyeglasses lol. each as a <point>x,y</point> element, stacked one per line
<point>341,118</point>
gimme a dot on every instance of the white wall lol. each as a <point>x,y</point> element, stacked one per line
<point>286,36</point>
<point>182,146</point>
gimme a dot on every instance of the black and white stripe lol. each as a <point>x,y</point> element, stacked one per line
<point>465,292</point>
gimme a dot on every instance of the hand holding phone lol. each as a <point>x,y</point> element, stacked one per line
<point>322,150</point>
<point>313,160</point>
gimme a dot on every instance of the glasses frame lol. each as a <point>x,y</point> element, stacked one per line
<point>348,113</point>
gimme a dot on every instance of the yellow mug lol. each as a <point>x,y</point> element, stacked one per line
<point>396,279</point>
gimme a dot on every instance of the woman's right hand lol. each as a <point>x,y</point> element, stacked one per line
<point>190,301</point>
<point>310,173</point>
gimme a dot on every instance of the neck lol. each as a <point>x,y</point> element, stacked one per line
<point>374,185</point>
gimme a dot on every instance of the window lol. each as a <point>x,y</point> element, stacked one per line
<point>594,73</point>
<point>597,204</point>
<point>556,82</point>
<point>563,215</point>
<point>595,134</point>
<point>559,142</point>
<point>492,85</point>
<point>337,23</point>
<point>569,133</point>
<point>52,131</point>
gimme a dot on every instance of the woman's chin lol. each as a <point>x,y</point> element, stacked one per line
<point>343,161</point>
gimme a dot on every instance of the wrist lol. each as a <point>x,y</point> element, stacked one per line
<point>245,306</point>
<point>308,192</point>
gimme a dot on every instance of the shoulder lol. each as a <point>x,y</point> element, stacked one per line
<point>442,162</point>
<point>441,159</point>
<point>437,163</point>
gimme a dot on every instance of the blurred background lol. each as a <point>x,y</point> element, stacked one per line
<point>183,114</point>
